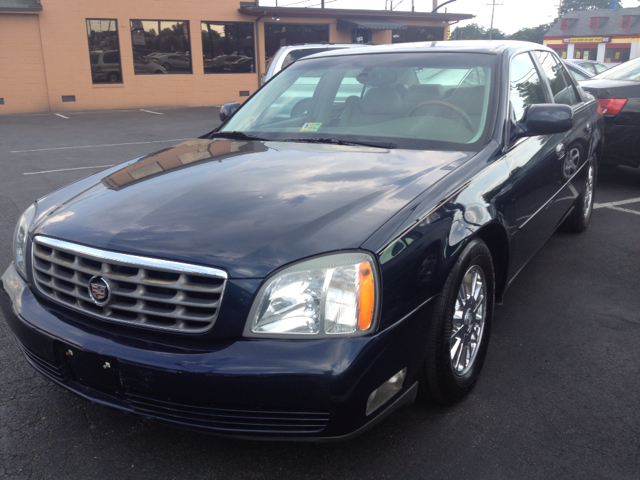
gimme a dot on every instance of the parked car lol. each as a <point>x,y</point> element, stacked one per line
<point>105,66</point>
<point>141,65</point>
<point>618,92</point>
<point>285,56</point>
<point>578,72</point>
<point>590,65</point>
<point>173,62</point>
<point>241,65</point>
<point>302,276</point>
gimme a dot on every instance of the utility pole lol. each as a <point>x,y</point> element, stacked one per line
<point>435,4</point>
<point>493,8</point>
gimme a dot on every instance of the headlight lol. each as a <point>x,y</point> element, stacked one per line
<point>20,237</point>
<point>322,297</point>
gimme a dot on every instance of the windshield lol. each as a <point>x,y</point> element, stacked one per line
<point>410,100</point>
<point>625,71</point>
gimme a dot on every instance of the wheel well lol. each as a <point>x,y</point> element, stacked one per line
<point>495,236</point>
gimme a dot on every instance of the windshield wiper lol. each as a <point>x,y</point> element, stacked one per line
<point>336,141</point>
<point>236,136</point>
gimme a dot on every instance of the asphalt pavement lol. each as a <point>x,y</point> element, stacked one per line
<point>558,398</point>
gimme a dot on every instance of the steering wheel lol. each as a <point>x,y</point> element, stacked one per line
<point>450,106</point>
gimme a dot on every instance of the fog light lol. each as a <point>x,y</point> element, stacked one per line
<point>385,391</point>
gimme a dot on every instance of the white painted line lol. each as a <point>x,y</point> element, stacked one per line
<point>62,116</point>
<point>104,145</point>
<point>66,170</point>
<point>613,204</point>
<point>625,210</point>
<point>149,111</point>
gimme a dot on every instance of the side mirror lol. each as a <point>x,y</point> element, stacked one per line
<point>227,110</point>
<point>545,119</point>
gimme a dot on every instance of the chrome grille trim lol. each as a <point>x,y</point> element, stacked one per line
<point>147,292</point>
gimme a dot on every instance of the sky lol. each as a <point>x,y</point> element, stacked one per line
<point>510,16</point>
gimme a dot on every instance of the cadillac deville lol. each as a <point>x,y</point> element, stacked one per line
<point>329,253</point>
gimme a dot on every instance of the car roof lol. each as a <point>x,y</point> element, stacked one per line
<point>460,46</point>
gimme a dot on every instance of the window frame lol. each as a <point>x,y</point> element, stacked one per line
<point>204,23</point>
<point>564,24</point>
<point>117,35</point>
<point>189,41</point>
<point>626,21</point>
<point>591,23</point>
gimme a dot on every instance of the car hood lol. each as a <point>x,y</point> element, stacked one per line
<point>246,207</point>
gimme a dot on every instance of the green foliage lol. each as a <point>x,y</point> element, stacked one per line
<point>473,31</point>
<point>570,5</point>
<point>533,34</point>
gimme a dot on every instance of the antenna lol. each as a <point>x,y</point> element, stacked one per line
<point>493,8</point>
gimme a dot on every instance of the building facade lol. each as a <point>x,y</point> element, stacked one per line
<point>608,36</point>
<point>60,55</point>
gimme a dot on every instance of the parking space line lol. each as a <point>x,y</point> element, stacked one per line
<point>614,204</point>
<point>149,111</point>
<point>104,145</point>
<point>625,210</point>
<point>65,170</point>
<point>62,116</point>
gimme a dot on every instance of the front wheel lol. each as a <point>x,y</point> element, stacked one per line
<point>460,325</point>
<point>579,219</point>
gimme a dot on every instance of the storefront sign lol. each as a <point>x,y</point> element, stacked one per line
<point>587,40</point>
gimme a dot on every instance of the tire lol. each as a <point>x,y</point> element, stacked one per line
<point>167,66</point>
<point>442,379</point>
<point>113,77</point>
<point>579,218</point>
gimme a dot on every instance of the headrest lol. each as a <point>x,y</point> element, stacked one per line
<point>422,93</point>
<point>381,100</point>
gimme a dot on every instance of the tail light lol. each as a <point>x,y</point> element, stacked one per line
<point>612,106</point>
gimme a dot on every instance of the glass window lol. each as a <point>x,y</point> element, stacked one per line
<point>164,46</point>
<point>104,50</point>
<point>228,47</point>
<point>586,53</point>
<point>417,34</point>
<point>375,99</point>
<point>278,35</point>
<point>577,74</point>
<point>564,24</point>
<point>526,88</point>
<point>628,71</point>
<point>561,88</point>
<point>594,23</point>
<point>626,21</point>
<point>617,55</point>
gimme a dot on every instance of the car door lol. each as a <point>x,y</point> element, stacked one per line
<point>534,165</point>
<point>576,142</point>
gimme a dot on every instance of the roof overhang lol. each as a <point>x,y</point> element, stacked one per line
<point>368,23</point>
<point>250,8</point>
<point>20,6</point>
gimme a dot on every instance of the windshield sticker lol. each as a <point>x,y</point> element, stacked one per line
<point>311,127</point>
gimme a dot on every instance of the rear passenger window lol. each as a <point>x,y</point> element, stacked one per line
<point>526,88</point>
<point>561,88</point>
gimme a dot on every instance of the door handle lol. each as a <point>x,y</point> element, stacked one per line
<point>588,127</point>
<point>561,150</point>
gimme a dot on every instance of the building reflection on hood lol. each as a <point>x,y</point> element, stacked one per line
<point>184,155</point>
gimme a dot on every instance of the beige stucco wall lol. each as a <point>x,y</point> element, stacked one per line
<point>22,77</point>
<point>46,56</point>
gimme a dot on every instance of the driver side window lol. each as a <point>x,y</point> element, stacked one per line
<point>525,86</point>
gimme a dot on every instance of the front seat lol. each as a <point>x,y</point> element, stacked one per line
<point>379,104</point>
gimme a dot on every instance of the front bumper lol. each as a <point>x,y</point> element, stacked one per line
<point>249,388</point>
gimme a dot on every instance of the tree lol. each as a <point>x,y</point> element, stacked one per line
<point>570,5</point>
<point>532,34</point>
<point>473,31</point>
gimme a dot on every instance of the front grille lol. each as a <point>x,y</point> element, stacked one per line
<point>146,292</point>
<point>230,419</point>
<point>44,366</point>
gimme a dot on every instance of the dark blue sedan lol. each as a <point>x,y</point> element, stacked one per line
<point>332,251</point>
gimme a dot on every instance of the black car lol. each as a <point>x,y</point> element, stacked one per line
<point>618,92</point>
<point>302,276</point>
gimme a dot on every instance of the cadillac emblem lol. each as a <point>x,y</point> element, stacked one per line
<point>100,291</point>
